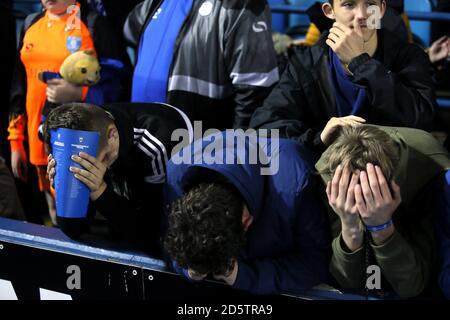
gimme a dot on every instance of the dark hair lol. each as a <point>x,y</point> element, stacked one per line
<point>205,229</point>
<point>331,1</point>
<point>356,146</point>
<point>78,116</point>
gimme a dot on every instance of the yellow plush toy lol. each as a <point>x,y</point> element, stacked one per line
<point>80,68</point>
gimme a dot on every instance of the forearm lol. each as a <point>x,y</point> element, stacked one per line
<point>247,99</point>
<point>406,271</point>
<point>16,130</point>
<point>112,206</point>
<point>348,268</point>
<point>353,237</point>
<point>138,221</point>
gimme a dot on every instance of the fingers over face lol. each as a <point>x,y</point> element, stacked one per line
<point>84,163</point>
<point>85,180</point>
<point>333,37</point>
<point>331,44</point>
<point>335,182</point>
<point>343,184</point>
<point>343,28</point>
<point>337,31</point>
<point>328,190</point>
<point>351,188</point>
<point>359,200</point>
<point>374,184</point>
<point>365,187</point>
<point>88,157</point>
<point>384,186</point>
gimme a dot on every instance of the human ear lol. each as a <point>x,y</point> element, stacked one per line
<point>383,8</point>
<point>112,132</point>
<point>328,11</point>
<point>247,218</point>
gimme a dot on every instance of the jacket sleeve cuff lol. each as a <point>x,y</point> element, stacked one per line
<point>105,202</point>
<point>356,62</point>
<point>343,255</point>
<point>84,93</point>
<point>391,247</point>
<point>16,145</point>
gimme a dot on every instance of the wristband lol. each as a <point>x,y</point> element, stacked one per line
<point>380,227</point>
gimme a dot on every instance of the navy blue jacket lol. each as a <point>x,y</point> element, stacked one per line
<point>288,244</point>
<point>443,231</point>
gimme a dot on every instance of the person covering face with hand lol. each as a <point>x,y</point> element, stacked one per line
<point>357,73</point>
<point>48,38</point>
<point>127,175</point>
<point>377,189</point>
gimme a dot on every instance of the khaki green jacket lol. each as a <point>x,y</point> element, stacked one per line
<point>407,258</point>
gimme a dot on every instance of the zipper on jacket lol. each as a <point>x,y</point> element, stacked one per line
<point>149,18</point>
<point>178,41</point>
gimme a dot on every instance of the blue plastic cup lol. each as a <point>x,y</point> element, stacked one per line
<point>72,195</point>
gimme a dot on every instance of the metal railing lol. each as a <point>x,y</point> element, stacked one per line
<point>47,249</point>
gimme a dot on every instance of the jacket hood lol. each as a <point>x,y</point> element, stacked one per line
<point>235,156</point>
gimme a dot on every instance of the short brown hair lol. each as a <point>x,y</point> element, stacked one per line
<point>78,116</point>
<point>356,146</point>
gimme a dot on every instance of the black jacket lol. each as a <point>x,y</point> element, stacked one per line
<point>224,63</point>
<point>398,80</point>
<point>132,201</point>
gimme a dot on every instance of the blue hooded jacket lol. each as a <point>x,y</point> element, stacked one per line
<point>442,192</point>
<point>287,246</point>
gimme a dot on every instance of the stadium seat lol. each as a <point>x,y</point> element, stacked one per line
<point>300,20</point>
<point>279,20</point>
<point>421,29</point>
<point>25,7</point>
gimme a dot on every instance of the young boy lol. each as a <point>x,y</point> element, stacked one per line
<point>263,233</point>
<point>378,186</point>
<point>48,38</point>
<point>354,74</point>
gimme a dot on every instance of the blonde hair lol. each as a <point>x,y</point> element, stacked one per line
<point>356,146</point>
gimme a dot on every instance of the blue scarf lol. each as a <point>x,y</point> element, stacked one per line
<point>156,51</point>
<point>351,99</point>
